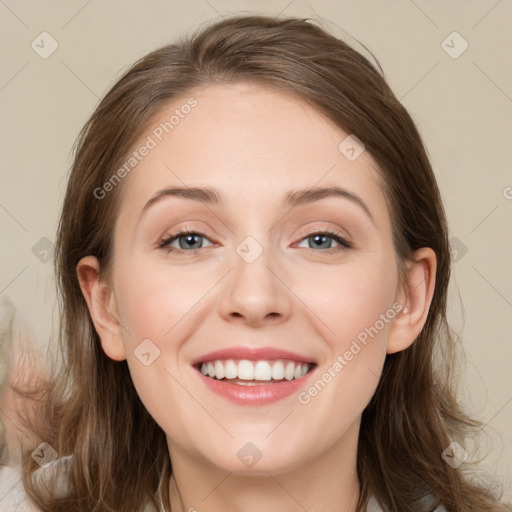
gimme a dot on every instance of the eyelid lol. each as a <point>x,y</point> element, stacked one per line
<point>344,243</point>
<point>312,229</point>
<point>173,235</point>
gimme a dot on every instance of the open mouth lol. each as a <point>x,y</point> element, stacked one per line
<point>254,373</point>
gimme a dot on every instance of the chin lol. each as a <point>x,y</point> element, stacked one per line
<point>249,461</point>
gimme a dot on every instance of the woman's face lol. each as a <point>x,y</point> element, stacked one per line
<point>257,290</point>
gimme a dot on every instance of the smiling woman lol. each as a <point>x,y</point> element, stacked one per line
<point>254,315</point>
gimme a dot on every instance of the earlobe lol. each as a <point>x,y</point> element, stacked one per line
<point>102,307</point>
<point>415,296</point>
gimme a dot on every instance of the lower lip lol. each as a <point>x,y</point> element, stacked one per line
<point>259,394</point>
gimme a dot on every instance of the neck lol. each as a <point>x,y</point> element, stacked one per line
<point>328,483</point>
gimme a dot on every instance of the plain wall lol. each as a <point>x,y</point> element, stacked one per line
<point>462,106</point>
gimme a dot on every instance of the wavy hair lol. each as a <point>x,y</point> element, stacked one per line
<point>91,409</point>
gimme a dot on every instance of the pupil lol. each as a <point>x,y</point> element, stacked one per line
<point>320,239</point>
<point>190,239</point>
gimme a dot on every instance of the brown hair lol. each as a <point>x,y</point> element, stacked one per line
<point>92,404</point>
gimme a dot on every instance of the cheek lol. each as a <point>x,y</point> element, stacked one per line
<point>155,302</point>
<point>152,306</point>
<point>350,299</point>
<point>355,312</point>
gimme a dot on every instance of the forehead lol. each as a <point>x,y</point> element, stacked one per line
<point>252,143</point>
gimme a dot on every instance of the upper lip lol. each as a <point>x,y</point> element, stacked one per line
<point>253,354</point>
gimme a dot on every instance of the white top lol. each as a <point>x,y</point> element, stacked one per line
<point>12,493</point>
<point>14,499</point>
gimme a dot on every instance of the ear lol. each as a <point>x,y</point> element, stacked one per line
<point>102,307</point>
<point>415,295</point>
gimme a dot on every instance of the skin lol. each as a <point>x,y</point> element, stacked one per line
<point>254,144</point>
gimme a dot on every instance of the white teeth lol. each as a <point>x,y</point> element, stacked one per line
<point>262,371</point>
<point>278,370</point>
<point>231,369</point>
<point>219,370</point>
<point>254,370</point>
<point>289,371</point>
<point>245,370</point>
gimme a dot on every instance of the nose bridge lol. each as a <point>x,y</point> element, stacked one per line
<point>253,291</point>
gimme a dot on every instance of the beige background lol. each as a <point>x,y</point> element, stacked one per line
<point>463,108</point>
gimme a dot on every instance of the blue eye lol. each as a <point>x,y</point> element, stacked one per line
<point>188,241</point>
<point>191,241</point>
<point>323,240</point>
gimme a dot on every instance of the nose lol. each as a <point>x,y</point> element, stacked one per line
<point>256,293</point>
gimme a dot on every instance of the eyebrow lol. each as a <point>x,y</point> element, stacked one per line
<point>291,199</point>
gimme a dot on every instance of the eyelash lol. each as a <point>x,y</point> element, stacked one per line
<point>168,239</point>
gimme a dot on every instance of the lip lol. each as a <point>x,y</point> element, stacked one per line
<point>259,394</point>
<point>253,354</point>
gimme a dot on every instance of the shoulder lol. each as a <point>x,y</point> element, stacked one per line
<point>12,493</point>
<point>13,497</point>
